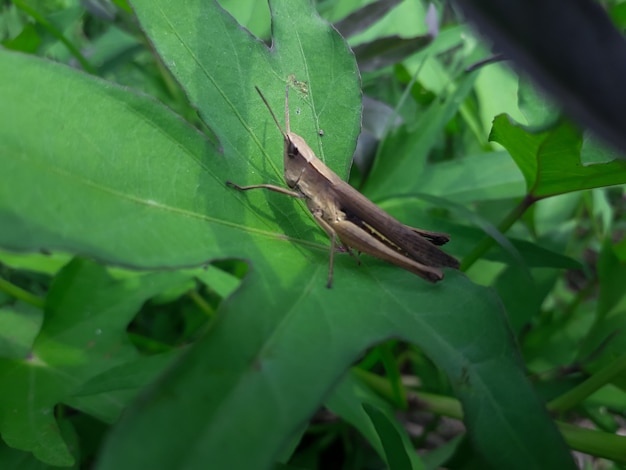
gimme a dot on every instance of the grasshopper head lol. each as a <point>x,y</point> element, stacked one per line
<point>297,154</point>
<point>295,158</point>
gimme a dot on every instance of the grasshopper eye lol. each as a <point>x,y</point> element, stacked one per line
<point>292,150</point>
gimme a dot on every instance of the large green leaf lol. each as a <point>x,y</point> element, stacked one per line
<point>91,168</point>
<point>550,161</point>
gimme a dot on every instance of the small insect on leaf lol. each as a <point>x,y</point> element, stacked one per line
<point>301,86</point>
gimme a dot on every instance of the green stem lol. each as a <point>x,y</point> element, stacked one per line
<point>201,303</point>
<point>56,33</point>
<point>486,243</point>
<point>593,442</point>
<point>577,394</point>
<point>148,344</point>
<point>437,404</point>
<point>21,294</point>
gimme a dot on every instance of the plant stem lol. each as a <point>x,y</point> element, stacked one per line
<point>577,394</point>
<point>56,33</point>
<point>594,442</point>
<point>201,303</point>
<point>21,294</point>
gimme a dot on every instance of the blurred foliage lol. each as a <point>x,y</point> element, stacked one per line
<point>144,305</point>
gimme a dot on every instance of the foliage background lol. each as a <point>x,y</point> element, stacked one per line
<point>135,284</point>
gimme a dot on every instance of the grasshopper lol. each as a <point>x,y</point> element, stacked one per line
<point>350,218</point>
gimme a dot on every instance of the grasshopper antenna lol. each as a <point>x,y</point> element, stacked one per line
<point>287,109</point>
<point>267,105</point>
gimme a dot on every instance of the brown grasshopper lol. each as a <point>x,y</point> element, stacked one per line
<point>346,214</point>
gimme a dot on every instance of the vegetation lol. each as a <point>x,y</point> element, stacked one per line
<point>152,317</point>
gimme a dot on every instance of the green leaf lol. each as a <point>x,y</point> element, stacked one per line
<point>550,161</point>
<point>19,325</point>
<point>523,295</point>
<point>398,450</point>
<point>347,402</point>
<point>27,41</point>
<point>75,343</point>
<point>357,404</point>
<point>48,264</point>
<point>18,460</point>
<point>106,395</point>
<point>483,177</point>
<point>126,185</point>
<point>360,20</point>
<point>610,272</point>
<point>387,51</point>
